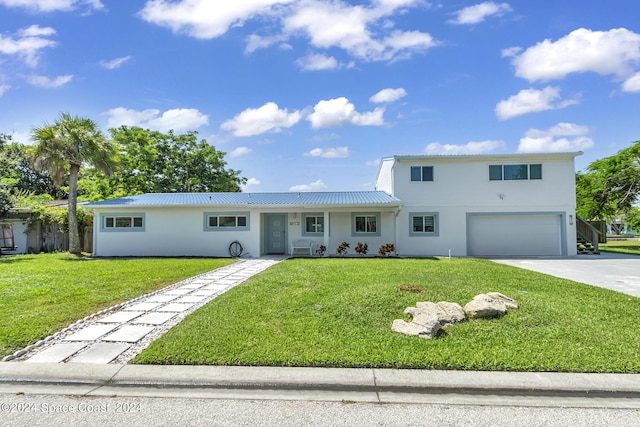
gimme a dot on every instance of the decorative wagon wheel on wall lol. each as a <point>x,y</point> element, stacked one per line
<point>235,249</point>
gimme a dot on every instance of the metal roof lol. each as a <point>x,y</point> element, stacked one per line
<point>306,199</point>
<point>566,154</point>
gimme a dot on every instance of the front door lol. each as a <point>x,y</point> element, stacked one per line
<point>275,242</point>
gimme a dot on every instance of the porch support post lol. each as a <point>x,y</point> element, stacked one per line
<point>327,225</point>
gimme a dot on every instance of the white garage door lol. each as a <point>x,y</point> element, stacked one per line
<point>519,235</point>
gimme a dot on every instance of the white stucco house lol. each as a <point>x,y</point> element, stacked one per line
<point>463,205</point>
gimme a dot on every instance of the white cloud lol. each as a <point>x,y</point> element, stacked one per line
<point>615,52</point>
<point>251,184</point>
<point>330,153</point>
<point>240,151</point>
<point>364,31</point>
<point>353,29</point>
<point>388,95</point>
<point>314,186</point>
<point>561,129</point>
<point>205,19</point>
<point>370,163</point>
<point>563,137</point>
<point>632,84</point>
<point>256,121</point>
<point>317,62</point>
<point>253,181</point>
<point>179,119</point>
<point>53,5</point>
<point>510,52</point>
<point>27,43</point>
<point>340,112</point>
<point>530,101</point>
<point>48,82</point>
<point>115,63</point>
<point>479,12</point>
<point>4,88</point>
<point>473,147</point>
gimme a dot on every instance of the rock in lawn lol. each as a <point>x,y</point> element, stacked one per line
<point>447,312</point>
<point>509,302</point>
<point>450,312</point>
<point>483,306</point>
<point>424,324</point>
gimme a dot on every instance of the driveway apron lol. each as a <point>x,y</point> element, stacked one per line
<point>618,272</point>
<point>118,334</point>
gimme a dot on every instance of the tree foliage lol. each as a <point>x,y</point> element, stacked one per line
<point>63,148</point>
<point>610,186</point>
<point>17,176</point>
<point>156,162</point>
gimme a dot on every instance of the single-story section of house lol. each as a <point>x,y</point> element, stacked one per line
<point>463,205</point>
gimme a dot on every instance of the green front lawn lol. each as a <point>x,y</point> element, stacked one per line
<point>338,313</point>
<point>621,246</point>
<point>40,294</point>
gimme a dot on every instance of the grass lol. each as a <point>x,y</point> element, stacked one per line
<point>631,247</point>
<point>338,313</point>
<point>41,294</point>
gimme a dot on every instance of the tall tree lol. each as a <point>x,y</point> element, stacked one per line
<point>610,186</point>
<point>156,162</point>
<point>63,148</point>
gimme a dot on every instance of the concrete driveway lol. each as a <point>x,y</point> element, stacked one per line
<point>613,271</point>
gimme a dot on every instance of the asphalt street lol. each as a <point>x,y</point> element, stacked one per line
<point>56,410</point>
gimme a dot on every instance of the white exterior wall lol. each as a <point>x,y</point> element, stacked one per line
<point>174,232</point>
<point>19,236</point>
<point>384,181</point>
<point>462,187</point>
<point>180,232</point>
<point>340,229</point>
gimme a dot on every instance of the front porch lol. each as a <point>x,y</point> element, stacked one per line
<point>315,233</point>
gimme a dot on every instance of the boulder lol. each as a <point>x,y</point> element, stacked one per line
<point>509,302</point>
<point>483,306</point>
<point>424,324</point>
<point>450,312</point>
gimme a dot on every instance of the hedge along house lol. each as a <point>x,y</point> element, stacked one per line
<point>475,205</point>
<point>205,224</point>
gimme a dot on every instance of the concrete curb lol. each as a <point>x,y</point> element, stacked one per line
<point>147,379</point>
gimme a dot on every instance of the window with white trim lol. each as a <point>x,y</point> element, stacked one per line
<point>421,173</point>
<point>219,221</point>
<point>122,222</point>
<point>313,224</point>
<point>423,224</point>
<point>515,172</point>
<point>365,224</point>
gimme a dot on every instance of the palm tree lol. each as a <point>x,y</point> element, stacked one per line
<point>63,148</point>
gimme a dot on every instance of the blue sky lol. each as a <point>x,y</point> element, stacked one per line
<point>311,94</point>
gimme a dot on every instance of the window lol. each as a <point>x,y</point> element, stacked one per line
<point>313,224</point>
<point>366,224</point>
<point>421,173</point>
<point>423,224</point>
<point>122,222</point>
<point>515,172</point>
<point>6,236</point>
<point>226,221</point>
<point>535,171</point>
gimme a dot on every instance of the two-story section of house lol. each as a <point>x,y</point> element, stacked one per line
<point>483,205</point>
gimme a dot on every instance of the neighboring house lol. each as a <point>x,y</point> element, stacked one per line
<point>22,232</point>
<point>476,205</point>
<point>14,237</point>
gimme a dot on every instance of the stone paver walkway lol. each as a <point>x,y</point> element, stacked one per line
<point>116,335</point>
